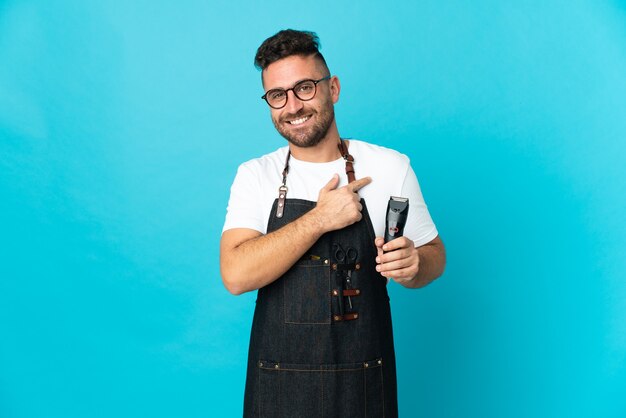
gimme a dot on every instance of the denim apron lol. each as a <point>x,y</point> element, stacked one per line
<point>320,347</point>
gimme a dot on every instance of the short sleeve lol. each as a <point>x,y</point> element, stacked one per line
<point>419,226</point>
<point>244,204</point>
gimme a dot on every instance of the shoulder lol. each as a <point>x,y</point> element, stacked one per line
<point>269,163</point>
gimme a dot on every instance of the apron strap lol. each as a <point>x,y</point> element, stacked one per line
<point>349,160</point>
<point>282,190</point>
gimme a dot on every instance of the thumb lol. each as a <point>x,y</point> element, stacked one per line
<point>332,184</point>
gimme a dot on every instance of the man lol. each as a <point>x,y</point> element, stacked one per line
<point>301,228</point>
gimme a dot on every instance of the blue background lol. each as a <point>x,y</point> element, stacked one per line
<point>121,128</point>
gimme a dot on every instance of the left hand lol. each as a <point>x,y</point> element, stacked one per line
<point>401,260</point>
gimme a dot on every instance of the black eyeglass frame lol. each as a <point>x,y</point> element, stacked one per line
<point>264,97</point>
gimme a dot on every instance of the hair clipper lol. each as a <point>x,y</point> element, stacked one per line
<point>397,211</point>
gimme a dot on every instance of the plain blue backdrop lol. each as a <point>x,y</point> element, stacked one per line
<point>122,124</point>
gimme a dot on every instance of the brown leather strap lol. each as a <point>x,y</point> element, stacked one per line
<point>347,292</point>
<point>286,169</point>
<point>343,149</point>
<point>282,195</point>
<point>351,292</point>
<point>346,266</point>
<point>347,317</point>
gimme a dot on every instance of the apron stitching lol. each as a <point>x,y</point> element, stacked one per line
<point>365,391</point>
<point>317,370</point>
<point>279,397</point>
<point>330,300</point>
<point>322,393</point>
<point>294,322</point>
<point>382,389</point>
<point>326,321</point>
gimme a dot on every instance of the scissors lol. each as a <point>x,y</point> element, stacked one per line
<point>345,257</point>
<point>349,257</point>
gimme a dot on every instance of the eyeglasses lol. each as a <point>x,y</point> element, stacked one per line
<point>304,90</point>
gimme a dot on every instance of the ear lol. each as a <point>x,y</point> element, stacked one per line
<point>335,88</point>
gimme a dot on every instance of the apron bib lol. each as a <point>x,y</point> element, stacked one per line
<point>321,343</point>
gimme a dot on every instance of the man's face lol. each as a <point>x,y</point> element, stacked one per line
<point>303,123</point>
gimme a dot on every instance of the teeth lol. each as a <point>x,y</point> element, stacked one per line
<point>299,121</point>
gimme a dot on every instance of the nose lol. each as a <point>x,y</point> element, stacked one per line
<point>294,105</point>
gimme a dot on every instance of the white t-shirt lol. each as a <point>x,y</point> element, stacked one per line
<point>257,181</point>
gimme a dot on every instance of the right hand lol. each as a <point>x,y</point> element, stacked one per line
<point>338,208</point>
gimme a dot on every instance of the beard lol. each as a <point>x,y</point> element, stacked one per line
<point>311,135</point>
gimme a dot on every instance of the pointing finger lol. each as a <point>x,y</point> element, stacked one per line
<point>358,184</point>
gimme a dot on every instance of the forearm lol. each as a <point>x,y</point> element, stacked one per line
<point>259,261</point>
<point>432,261</point>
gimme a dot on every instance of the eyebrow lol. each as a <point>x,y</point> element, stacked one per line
<point>293,85</point>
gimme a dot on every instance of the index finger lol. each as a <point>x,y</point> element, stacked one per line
<point>397,243</point>
<point>358,184</point>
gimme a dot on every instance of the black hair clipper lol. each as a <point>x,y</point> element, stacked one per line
<point>397,211</point>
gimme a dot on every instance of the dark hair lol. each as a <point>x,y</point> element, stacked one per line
<point>286,43</point>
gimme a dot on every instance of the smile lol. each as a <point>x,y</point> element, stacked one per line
<point>299,121</point>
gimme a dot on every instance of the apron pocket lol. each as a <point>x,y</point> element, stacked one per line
<point>307,293</point>
<point>349,390</point>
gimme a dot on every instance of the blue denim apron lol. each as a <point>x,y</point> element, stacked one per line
<point>319,348</point>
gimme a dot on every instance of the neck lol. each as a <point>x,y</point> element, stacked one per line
<point>323,152</point>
